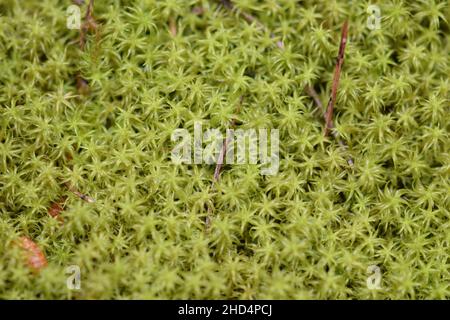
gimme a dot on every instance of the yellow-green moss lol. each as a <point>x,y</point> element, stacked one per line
<point>311,231</point>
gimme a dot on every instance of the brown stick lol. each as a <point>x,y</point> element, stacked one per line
<point>88,25</point>
<point>223,151</point>
<point>250,19</point>
<point>336,76</point>
<point>198,10</point>
<point>79,194</point>
<point>172,27</point>
<point>220,160</point>
<point>313,94</point>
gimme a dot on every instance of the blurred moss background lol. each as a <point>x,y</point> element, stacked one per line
<point>309,232</point>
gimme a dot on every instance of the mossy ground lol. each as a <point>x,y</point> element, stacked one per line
<point>311,231</point>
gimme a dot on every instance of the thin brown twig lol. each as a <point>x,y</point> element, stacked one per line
<point>313,94</point>
<point>79,194</point>
<point>250,19</point>
<point>88,25</point>
<point>172,27</point>
<point>336,76</point>
<point>223,151</point>
<point>220,160</point>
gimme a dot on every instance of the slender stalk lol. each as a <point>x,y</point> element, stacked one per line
<point>223,151</point>
<point>88,25</point>
<point>172,27</point>
<point>336,76</point>
<point>79,194</point>
<point>220,160</point>
<point>313,94</point>
<point>250,19</point>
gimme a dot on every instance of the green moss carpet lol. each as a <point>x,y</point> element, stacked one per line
<point>97,120</point>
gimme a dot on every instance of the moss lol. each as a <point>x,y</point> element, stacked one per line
<point>311,231</point>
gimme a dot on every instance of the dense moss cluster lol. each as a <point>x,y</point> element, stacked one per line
<point>310,231</point>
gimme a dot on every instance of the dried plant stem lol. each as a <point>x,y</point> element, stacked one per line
<point>172,27</point>
<point>251,19</point>
<point>79,194</point>
<point>220,160</point>
<point>313,94</point>
<point>336,76</point>
<point>223,151</point>
<point>88,25</point>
